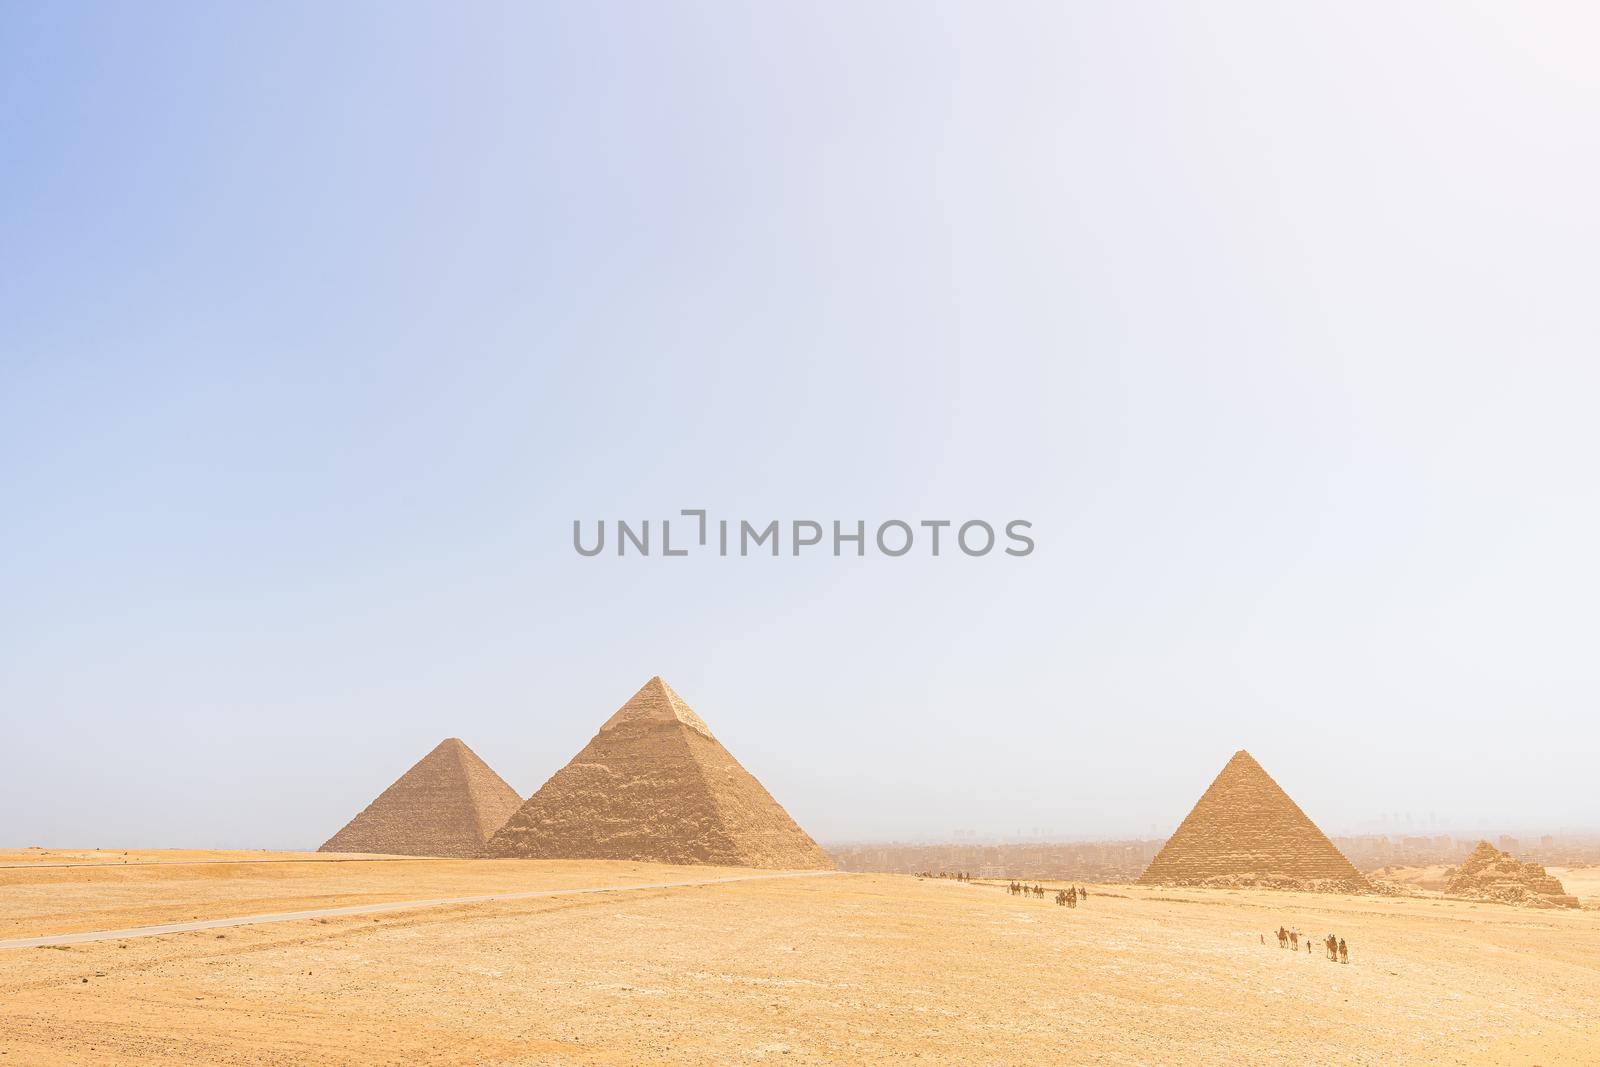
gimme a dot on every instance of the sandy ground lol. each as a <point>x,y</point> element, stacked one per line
<point>11,857</point>
<point>857,968</point>
<point>1581,882</point>
<point>1432,878</point>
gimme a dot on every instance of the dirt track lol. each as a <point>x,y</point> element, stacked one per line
<point>87,937</point>
<point>815,970</point>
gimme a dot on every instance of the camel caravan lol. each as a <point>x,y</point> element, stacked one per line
<point>1334,946</point>
<point>1066,898</point>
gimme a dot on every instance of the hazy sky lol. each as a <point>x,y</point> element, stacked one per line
<point>319,326</point>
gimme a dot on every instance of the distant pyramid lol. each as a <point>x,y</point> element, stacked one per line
<point>654,785</point>
<point>447,805</point>
<point>1489,874</point>
<point>1246,829</point>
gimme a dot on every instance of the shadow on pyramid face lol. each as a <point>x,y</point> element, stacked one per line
<point>655,785</point>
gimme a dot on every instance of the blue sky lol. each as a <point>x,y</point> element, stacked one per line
<point>319,327</point>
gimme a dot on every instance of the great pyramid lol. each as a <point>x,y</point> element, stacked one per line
<point>1245,830</point>
<point>447,805</point>
<point>654,785</point>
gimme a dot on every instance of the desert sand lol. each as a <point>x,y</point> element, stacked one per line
<point>823,968</point>
<point>1581,882</point>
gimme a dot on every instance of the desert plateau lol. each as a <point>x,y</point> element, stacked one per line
<point>782,967</point>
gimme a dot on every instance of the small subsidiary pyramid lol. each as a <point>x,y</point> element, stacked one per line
<point>447,805</point>
<point>1489,874</point>
<point>654,785</point>
<point>1246,830</point>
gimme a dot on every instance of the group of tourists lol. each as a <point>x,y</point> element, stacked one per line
<point>1335,947</point>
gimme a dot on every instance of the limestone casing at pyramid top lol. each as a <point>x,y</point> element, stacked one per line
<point>1243,757</point>
<point>657,702</point>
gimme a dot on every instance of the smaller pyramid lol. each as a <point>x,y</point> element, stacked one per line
<point>1489,874</point>
<point>654,785</point>
<point>447,805</point>
<point>1246,831</point>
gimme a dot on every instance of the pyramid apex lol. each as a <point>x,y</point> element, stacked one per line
<point>1242,762</point>
<point>657,702</point>
<point>449,744</point>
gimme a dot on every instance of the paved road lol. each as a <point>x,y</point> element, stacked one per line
<point>372,909</point>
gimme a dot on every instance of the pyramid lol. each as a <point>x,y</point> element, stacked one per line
<point>447,805</point>
<point>654,785</point>
<point>1489,874</point>
<point>1245,830</point>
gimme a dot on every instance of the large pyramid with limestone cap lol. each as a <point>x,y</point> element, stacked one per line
<point>447,805</point>
<point>654,785</point>
<point>1245,830</point>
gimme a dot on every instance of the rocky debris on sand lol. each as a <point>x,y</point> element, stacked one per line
<point>1273,881</point>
